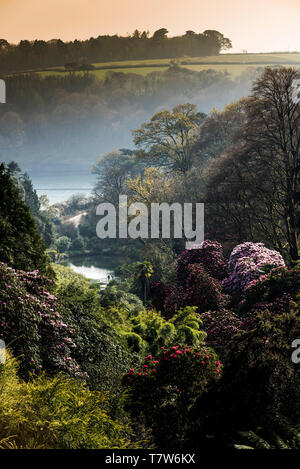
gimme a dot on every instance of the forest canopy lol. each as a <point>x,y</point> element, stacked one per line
<point>139,45</point>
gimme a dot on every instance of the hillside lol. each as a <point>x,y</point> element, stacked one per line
<point>234,64</point>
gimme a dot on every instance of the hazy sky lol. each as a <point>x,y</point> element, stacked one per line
<point>255,25</point>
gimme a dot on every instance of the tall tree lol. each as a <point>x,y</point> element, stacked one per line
<point>256,186</point>
<point>167,140</point>
<point>112,170</point>
<point>20,243</point>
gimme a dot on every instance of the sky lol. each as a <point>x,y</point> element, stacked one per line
<point>252,25</point>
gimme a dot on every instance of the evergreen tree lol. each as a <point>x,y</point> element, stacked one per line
<point>20,243</point>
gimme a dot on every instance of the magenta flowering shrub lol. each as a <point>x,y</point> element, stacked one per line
<point>246,263</point>
<point>163,389</point>
<point>202,290</point>
<point>199,289</point>
<point>167,299</point>
<point>31,325</point>
<point>198,272</point>
<point>209,255</point>
<point>175,299</point>
<point>273,292</point>
<point>221,327</point>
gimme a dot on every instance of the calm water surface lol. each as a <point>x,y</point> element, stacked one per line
<point>60,188</point>
<point>94,268</point>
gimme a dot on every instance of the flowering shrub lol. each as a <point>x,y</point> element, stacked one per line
<point>260,384</point>
<point>202,290</point>
<point>32,326</point>
<point>199,289</point>
<point>209,255</point>
<point>174,300</point>
<point>221,327</point>
<point>246,263</point>
<point>198,272</point>
<point>273,291</point>
<point>164,388</point>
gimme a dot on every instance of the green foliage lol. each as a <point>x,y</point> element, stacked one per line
<point>63,243</point>
<point>277,284</point>
<point>115,297</point>
<point>289,438</point>
<point>164,389</point>
<point>260,384</point>
<point>32,323</point>
<point>135,343</point>
<point>135,278</point>
<point>146,331</point>
<point>20,243</point>
<point>156,331</point>
<point>42,218</point>
<point>57,413</point>
<point>168,137</point>
<point>74,289</point>
<point>100,349</point>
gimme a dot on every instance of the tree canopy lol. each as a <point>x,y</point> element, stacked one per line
<point>21,245</point>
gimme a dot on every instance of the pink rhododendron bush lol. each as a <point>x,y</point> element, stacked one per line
<point>199,273</point>
<point>246,263</point>
<point>207,281</point>
<point>32,326</point>
<point>221,327</point>
<point>199,289</point>
<point>209,255</point>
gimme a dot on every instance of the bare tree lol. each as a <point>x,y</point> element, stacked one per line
<point>255,187</point>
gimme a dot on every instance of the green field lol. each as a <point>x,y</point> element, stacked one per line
<point>234,64</point>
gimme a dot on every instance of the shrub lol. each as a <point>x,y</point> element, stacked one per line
<point>74,290</point>
<point>199,289</point>
<point>114,297</point>
<point>157,295</point>
<point>202,290</point>
<point>273,291</point>
<point>156,331</point>
<point>209,255</point>
<point>286,437</point>
<point>260,384</point>
<point>221,327</point>
<point>58,413</point>
<point>246,263</point>
<point>174,300</point>
<point>63,243</point>
<point>31,323</point>
<point>100,350</point>
<point>163,390</point>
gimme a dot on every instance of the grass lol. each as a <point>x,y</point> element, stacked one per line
<point>100,74</point>
<point>234,64</point>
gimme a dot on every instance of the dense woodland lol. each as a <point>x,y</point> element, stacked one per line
<point>191,349</point>
<point>40,54</point>
<point>76,114</point>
